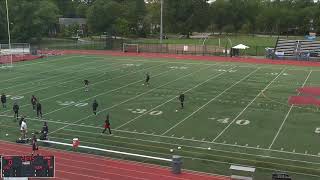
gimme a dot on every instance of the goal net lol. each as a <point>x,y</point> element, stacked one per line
<point>130,47</point>
<point>10,54</point>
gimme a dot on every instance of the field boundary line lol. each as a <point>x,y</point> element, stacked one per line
<point>170,137</point>
<point>287,115</point>
<point>94,157</point>
<point>217,96</point>
<point>248,105</point>
<point>99,82</point>
<point>182,145</point>
<point>136,95</point>
<point>52,58</point>
<point>160,153</point>
<point>209,79</point>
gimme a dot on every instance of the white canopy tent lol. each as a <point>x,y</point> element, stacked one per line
<point>236,49</point>
<point>240,46</point>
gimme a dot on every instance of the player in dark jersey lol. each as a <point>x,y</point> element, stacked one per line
<point>181,99</point>
<point>95,107</point>
<point>35,146</point>
<point>44,132</point>
<point>86,85</point>
<point>21,119</point>
<point>39,110</point>
<point>15,109</point>
<point>4,100</point>
<point>107,125</point>
<point>147,79</point>
<point>34,102</point>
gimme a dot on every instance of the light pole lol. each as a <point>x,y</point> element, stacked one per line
<point>161,22</point>
<point>9,36</point>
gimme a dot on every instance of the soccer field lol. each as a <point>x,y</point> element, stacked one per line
<point>235,113</point>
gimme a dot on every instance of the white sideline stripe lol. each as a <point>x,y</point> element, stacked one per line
<point>92,85</point>
<point>52,77</point>
<point>110,151</point>
<point>189,157</point>
<point>196,147</point>
<point>264,89</point>
<point>168,137</point>
<point>52,59</point>
<point>177,124</point>
<point>217,75</point>
<point>17,77</point>
<point>136,95</point>
<point>287,115</point>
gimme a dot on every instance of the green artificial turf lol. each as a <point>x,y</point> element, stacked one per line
<point>235,113</point>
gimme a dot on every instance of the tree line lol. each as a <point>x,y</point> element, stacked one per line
<point>34,19</point>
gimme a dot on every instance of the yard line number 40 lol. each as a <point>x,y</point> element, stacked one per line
<point>240,122</point>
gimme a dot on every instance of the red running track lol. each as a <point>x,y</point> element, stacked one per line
<point>79,166</point>
<point>186,57</point>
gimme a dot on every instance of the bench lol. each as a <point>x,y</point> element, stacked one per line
<point>242,172</point>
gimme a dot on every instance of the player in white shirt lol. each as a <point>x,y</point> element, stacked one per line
<point>24,129</point>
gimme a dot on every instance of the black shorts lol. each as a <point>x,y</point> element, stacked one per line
<point>34,147</point>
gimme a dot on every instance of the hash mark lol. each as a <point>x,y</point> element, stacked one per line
<point>235,143</point>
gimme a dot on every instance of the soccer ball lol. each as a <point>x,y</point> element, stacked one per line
<point>176,110</point>
<point>171,150</point>
<point>179,147</point>
<point>7,134</point>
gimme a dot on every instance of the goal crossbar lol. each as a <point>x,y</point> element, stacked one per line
<point>130,47</point>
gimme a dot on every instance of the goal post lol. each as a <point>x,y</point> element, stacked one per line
<point>9,54</point>
<point>130,47</point>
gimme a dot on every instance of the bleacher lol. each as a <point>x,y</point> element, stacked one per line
<point>296,49</point>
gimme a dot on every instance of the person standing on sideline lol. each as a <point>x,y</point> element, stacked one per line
<point>4,100</point>
<point>95,107</point>
<point>34,102</point>
<point>24,129</point>
<point>39,110</point>
<point>15,109</point>
<point>181,98</point>
<point>35,146</point>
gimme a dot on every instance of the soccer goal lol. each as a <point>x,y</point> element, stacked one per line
<point>8,54</point>
<point>130,47</point>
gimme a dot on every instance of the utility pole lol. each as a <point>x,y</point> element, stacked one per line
<point>9,36</point>
<point>161,22</point>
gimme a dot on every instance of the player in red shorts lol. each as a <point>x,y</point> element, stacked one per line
<point>107,125</point>
<point>35,146</point>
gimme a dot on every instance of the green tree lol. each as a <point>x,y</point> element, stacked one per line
<point>102,15</point>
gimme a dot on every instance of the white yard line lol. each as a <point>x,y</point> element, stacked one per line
<point>73,79</point>
<point>135,96</point>
<point>52,77</point>
<point>200,108</point>
<point>94,84</point>
<point>54,69</point>
<point>264,89</point>
<point>213,77</point>
<point>287,115</point>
